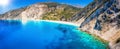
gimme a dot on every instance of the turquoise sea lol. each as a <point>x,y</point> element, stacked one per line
<point>45,35</point>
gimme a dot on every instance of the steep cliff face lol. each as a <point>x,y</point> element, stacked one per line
<point>30,12</point>
<point>46,11</point>
<point>102,18</point>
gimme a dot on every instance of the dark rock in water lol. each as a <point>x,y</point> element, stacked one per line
<point>63,29</point>
<point>97,25</point>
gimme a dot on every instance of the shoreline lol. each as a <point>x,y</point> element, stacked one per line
<point>75,24</point>
<point>62,22</point>
<point>98,37</point>
<point>70,23</point>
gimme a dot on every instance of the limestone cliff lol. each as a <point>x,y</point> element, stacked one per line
<point>102,18</point>
<point>46,11</point>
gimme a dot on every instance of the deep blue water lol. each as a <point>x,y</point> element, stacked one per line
<point>45,35</point>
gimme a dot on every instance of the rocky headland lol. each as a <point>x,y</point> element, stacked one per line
<point>102,18</point>
<point>44,11</point>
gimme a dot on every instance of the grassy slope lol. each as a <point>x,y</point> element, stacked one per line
<point>63,12</point>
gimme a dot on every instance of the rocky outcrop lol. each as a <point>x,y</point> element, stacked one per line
<point>116,46</point>
<point>30,12</point>
<point>12,14</point>
<point>101,18</point>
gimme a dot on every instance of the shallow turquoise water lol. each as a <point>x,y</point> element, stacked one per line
<point>44,35</point>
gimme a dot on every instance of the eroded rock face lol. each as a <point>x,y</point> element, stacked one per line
<point>118,2</point>
<point>15,14</point>
<point>34,11</point>
<point>46,11</point>
<point>116,46</point>
<point>101,18</point>
<point>31,12</point>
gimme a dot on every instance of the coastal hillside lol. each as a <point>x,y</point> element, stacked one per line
<point>45,11</point>
<point>101,18</point>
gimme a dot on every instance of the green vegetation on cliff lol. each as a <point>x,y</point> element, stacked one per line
<point>60,12</point>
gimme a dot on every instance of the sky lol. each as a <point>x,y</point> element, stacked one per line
<point>7,5</point>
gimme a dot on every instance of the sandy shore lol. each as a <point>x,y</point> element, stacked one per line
<point>62,22</point>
